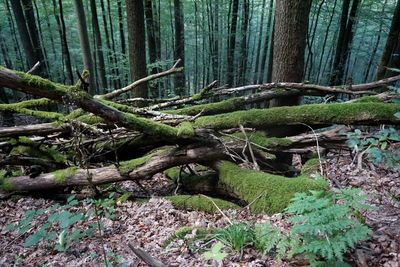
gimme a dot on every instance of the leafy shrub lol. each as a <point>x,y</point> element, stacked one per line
<point>377,146</point>
<point>326,224</point>
<point>265,237</point>
<point>58,228</point>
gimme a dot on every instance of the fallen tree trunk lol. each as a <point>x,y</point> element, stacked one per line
<point>136,169</point>
<point>316,114</point>
<point>35,129</point>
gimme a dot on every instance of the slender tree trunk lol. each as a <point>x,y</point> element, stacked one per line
<point>39,33</point>
<point>391,41</point>
<point>99,46</point>
<point>179,51</point>
<point>114,51</point>
<point>84,43</point>
<point>378,39</point>
<point>243,43</point>
<point>16,43</point>
<point>63,37</point>
<point>121,27</point>
<point>196,47</point>
<point>29,43</point>
<point>310,57</point>
<point>268,43</point>
<point>111,56</point>
<point>394,60</point>
<point>232,43</point>
<point>151,42</point>
<point>258,49</point>
<point>327,31</point>
<point>344,40</point>
<point>136,41</point>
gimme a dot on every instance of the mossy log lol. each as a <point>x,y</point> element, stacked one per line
<point>266,192</point>
<point>35,129</point>
<point>73,95</point>
<point>317,114</point>
<point>200,203</point>
<point>137,169</point>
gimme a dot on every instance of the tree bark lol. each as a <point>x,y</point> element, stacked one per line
<point>344,40</point>
<point>232,43</point>
<point>391,42</point>
<point>84,43</point>
<point>291,26</point>
<point>136,41</point>
<point>179,51</point>
<point>29,38</point>
<point>99,46</point>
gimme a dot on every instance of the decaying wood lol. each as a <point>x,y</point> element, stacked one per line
<point>144,256</point>
<point>34,129</point>
<point>111,174</point>
<point>198,139</point>
<point>116,93</point>
<point>346,89</point>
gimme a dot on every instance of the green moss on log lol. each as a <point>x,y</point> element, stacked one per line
<point>61,176</point>
<point>185,129</point>
<point>127,166</point>
<point>21,109</point>
<point>270,193</point>
<point>5,182</point>
<point>150,127</point>
<point>354,113</point>
<point>36,81</point>
<point>368,99</point>
<point>211,108</point>
<point>173,173</point>
<point>310,167</point>
<point>200,203</point>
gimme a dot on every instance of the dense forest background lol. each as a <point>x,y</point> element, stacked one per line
<point>228,41</point>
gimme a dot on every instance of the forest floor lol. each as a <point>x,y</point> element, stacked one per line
<point>150,224</point>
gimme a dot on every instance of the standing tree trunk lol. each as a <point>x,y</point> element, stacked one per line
<point>136,42</point>
<point>258,49</point>
<point>291,24</point>
<point>243,43</point>
<point>84,42</point>
<point>29,38</point>
<point>344,40</point>
<point>152,44</point>
<point>179,51</point>
<point>232,43</point>
<point>99,46</point>
<point>391,41</point>
<point>290,34</point>
<point>63,37</point>
<point>17,50</point>
<point>378,39</point>
<point>268,43</point>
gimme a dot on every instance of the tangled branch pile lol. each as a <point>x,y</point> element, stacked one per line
<point>92,140</point>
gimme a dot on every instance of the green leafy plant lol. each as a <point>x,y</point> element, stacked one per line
<point>236,235</point>
<point>265,237</point>
<point>376,146</point>
<point>215,252</point>
<point>326,225</point>
<point>58,223</point>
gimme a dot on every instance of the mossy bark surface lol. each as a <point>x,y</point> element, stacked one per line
<point>269,193</point>
<point>317,114</point>
<point>200,203</point>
